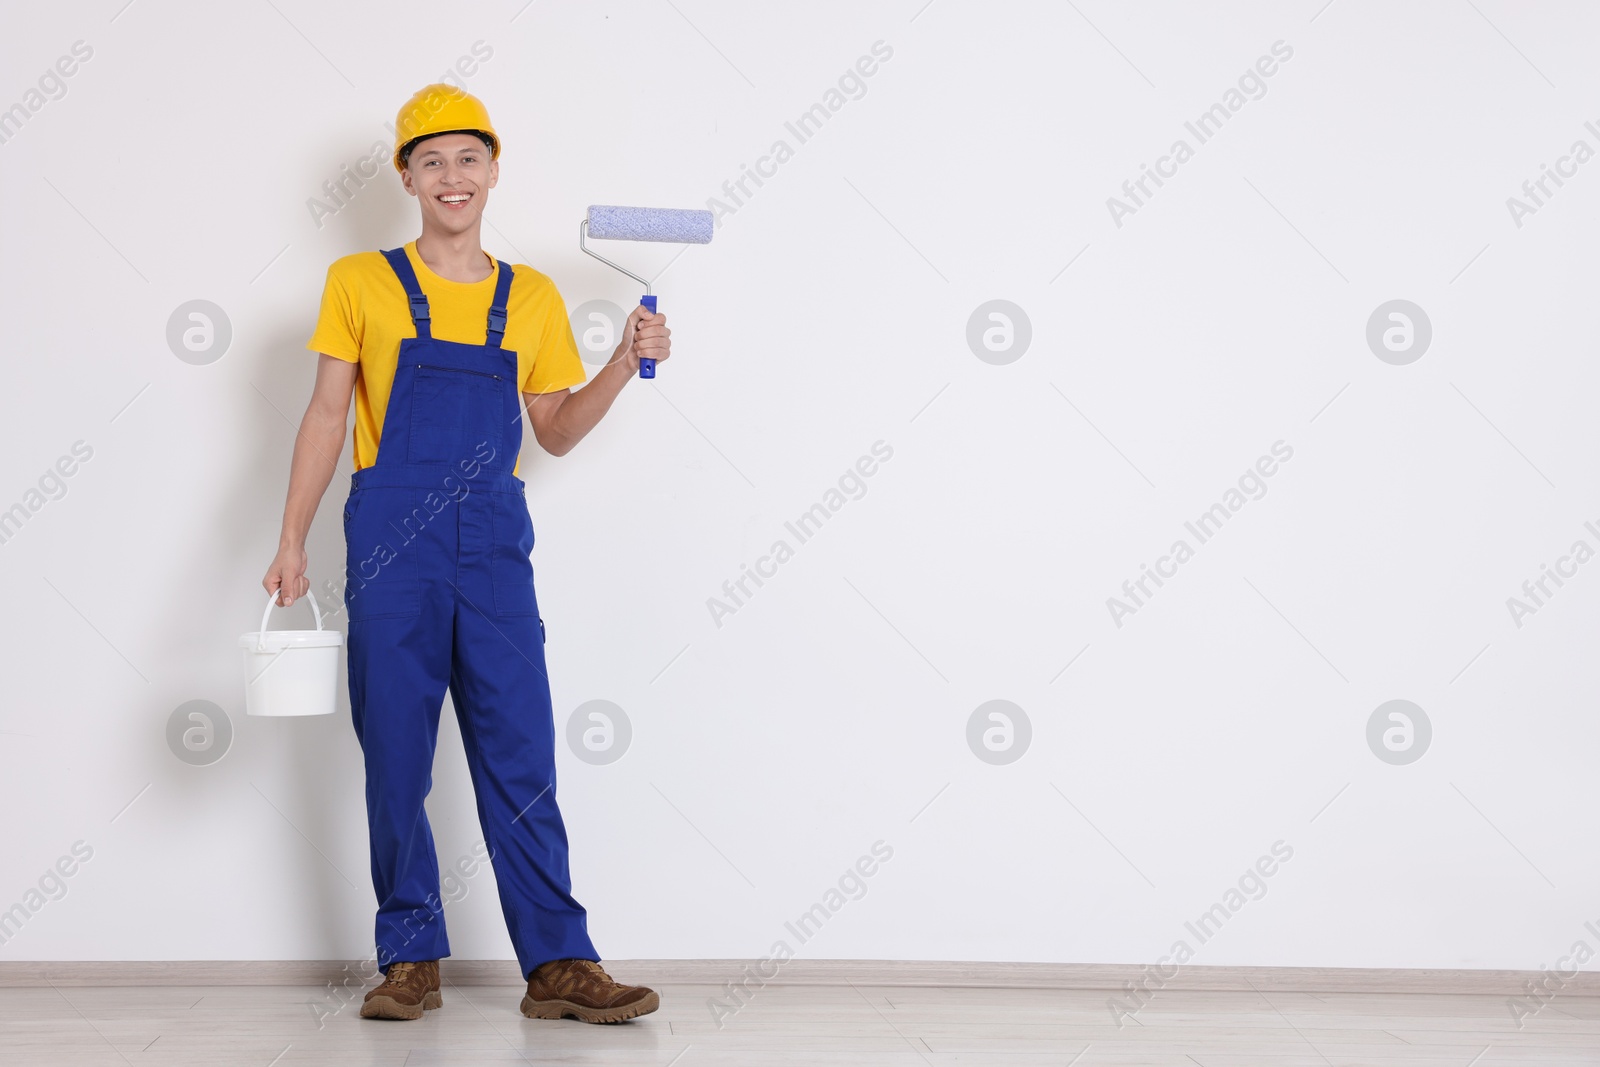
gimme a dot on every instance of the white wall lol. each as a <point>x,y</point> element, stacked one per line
<point>1227,313</point>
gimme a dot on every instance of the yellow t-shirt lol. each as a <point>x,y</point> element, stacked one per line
<point>365,315</point>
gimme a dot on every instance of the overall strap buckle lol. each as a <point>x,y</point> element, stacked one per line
<point>417,299</point>
<point>497,310</point>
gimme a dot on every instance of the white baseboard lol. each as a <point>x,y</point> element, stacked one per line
<point>717,973</point>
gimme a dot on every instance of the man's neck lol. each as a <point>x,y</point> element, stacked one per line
<point>456,256</point>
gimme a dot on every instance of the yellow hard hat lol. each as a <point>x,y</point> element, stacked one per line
<point>441,108</point>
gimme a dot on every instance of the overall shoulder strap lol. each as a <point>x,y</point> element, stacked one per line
<point>408,280</point>
<point>497,309</point>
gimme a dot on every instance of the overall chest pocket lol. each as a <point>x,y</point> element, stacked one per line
<point>453,411</point>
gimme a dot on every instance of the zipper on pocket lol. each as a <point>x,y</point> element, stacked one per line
<point>459,370</point>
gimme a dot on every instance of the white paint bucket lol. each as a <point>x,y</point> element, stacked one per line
<point>291,672</point>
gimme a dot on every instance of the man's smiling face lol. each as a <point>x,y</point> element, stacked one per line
<point>451,174</point>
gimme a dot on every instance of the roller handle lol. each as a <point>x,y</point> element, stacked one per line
<point>647,367</point>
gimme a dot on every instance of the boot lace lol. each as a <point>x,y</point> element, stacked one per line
<point>400,971</point>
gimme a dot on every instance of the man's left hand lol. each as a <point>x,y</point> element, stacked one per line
<point>646,336</point>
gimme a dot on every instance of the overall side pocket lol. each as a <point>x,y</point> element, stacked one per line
<point>382,579</point>
<point>510,565</point>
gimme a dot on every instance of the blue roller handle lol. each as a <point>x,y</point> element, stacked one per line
<point>647,367</point>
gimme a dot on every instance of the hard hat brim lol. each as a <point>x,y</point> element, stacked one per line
<point>402,155</point>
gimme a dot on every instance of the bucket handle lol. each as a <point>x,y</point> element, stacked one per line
<point>272,598</point>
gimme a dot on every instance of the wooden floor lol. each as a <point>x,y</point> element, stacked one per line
<point>845,1023</point>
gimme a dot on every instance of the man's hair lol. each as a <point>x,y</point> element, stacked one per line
<point>410,146</point>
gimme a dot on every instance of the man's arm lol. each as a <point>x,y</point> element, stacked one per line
<point>563,418</point>
<point>316,457</point>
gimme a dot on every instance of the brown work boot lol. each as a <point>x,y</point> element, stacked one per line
<point>581,989</point>
<point>408,987</point>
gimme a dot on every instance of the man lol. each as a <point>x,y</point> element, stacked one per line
<point>436,340</point>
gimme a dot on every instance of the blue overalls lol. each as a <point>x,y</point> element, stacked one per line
<point>439,588</point>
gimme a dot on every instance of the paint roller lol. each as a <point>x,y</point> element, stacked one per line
<point>666,225</point>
